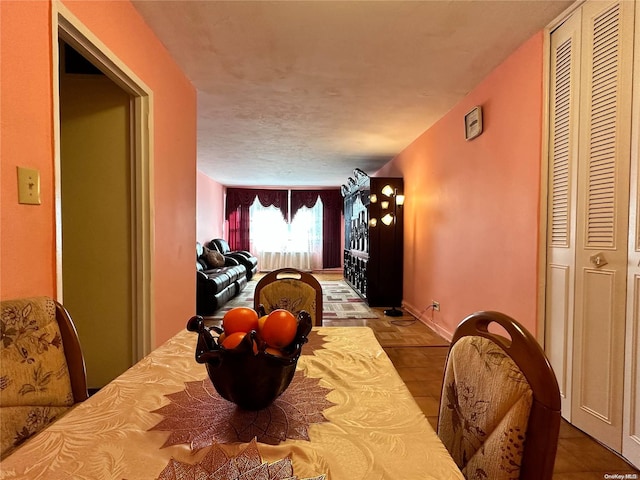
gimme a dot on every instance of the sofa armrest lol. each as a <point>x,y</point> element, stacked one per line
<point>238,256</point>
<point>202,277</point>
<point>230,261</point>
<point>223,247</point>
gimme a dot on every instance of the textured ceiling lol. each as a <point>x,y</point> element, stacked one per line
<point>302,92</point>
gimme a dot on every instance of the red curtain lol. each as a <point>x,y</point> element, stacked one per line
<point>331,213</point>
<point>302,198</point>
<point>237,211</point>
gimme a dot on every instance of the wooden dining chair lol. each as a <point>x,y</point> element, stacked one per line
<point>500,404</point>
<point>292,290</point>
<point>42,370</point>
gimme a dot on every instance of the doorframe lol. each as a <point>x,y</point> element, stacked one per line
<point>67,27</point>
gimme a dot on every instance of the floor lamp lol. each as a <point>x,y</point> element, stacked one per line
<point>388,219</point>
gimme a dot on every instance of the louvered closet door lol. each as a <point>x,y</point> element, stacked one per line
<point>563,170</point>
<point>602,220</point>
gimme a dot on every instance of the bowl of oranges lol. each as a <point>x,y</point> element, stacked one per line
<point>252,357</point>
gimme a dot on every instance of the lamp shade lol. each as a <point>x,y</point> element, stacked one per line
<point>373,198</point>
<point>384,204</point>
<point>387,190</point>
<point>399,199</point>
<point>387,219</point>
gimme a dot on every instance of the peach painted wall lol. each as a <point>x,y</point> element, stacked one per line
<point>471,211</point>
<point>210,209</point>
<point>27,254</point>
<point>27,232</point>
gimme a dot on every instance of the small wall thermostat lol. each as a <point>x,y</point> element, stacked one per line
<point>473,123</point>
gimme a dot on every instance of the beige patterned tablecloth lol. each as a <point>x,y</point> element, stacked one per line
<point>374,430</point>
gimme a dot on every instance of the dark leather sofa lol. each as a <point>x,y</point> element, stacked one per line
<point>216,285</point>
<point>242,256</point>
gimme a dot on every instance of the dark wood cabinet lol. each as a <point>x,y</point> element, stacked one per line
<point>373,250</point>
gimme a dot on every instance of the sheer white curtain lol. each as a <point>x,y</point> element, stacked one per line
<point>279,244</point>
<point>306,234</point>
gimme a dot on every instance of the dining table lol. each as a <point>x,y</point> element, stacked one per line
<point>346,415</point>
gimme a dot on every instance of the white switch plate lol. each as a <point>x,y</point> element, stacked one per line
<point>28,186</point>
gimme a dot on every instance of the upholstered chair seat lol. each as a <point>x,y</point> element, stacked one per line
<point>37,382</point>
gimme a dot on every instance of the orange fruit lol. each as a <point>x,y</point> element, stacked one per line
<point>261,321</point>
<point>233,340</point>
<point>274,351</point>
<point>279,329</point>
<point>240,319</point>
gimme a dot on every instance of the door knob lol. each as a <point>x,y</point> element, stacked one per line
<point>598,260</point>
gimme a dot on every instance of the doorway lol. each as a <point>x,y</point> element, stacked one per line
<point>96,214</point>
<point>132,290</point>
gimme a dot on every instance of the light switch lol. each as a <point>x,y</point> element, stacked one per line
<point>28,186</point>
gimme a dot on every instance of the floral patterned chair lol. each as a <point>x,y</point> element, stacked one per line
<point>42,372</point>
<point>292,290</point>
<point>500,405</point>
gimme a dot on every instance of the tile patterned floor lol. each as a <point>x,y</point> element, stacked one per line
<point>419,356</point>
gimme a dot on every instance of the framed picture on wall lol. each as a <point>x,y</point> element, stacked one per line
<point>473,123</point>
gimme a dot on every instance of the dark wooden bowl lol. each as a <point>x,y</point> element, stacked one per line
<point>252,380</point>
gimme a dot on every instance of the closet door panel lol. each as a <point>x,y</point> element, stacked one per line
<point>558,331</point>
<point>631,426</point>
<point>631,416</point>
<point>597,346</point>
<point>563,164</point>
<point>602,220</point>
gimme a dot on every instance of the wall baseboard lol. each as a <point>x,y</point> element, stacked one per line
<point>429,321</point>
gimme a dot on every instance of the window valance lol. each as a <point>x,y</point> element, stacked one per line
<point>331,199</point>
<point>244,197</point>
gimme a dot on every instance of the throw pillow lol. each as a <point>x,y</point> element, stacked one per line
<point>214,259</point>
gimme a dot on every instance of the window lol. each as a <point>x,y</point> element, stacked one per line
<point>279,243</point>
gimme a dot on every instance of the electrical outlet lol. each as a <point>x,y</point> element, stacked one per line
<point>436,305</point>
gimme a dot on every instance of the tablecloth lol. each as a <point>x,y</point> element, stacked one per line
<point>372,427</point>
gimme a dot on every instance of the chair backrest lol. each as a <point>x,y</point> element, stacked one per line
<point>221,245</point>
<point>42,372</point>
<point>292,290</point>
<point>500,405</point>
